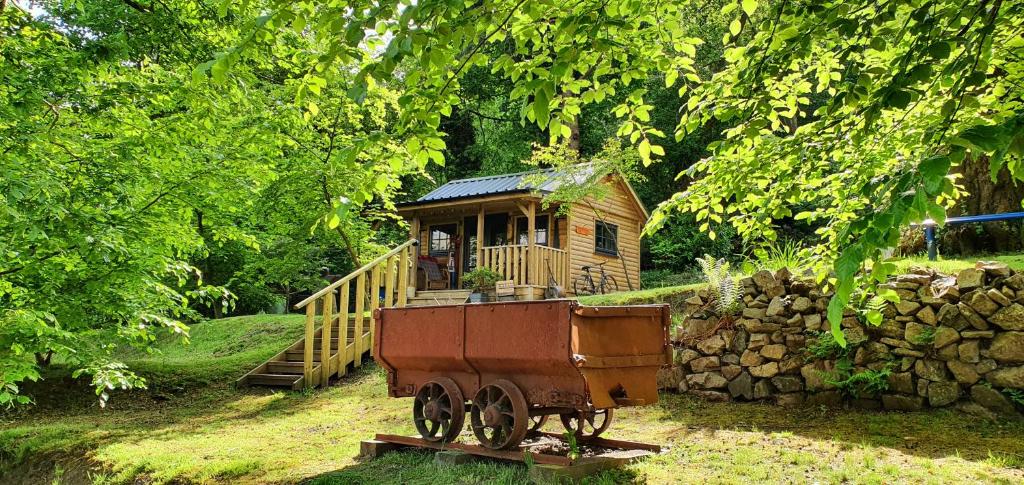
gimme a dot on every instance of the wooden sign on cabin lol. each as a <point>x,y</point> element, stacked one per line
<point>583,230</point>
<point>505,288</point>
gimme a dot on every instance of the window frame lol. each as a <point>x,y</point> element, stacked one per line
<point>613,230</point>
<point>539,217</point>
<point>451,238</point>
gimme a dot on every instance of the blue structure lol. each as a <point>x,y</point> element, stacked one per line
<point>929,226</point>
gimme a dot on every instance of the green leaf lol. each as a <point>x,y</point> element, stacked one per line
<point>898,99</point>
<point>749,6</point>
<point>541,107</point>
<point>735,26</point>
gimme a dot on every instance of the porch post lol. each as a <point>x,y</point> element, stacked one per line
<point>480,237</point>
<point>414,233</point>
<point>531,236</point>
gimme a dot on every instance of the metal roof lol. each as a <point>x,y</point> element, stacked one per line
<point>490,185</point>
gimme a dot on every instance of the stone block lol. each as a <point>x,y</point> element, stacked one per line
<point>751,358</point>
<point>945,336</point>
<point>899,402</point>
<point>684,356</point>
<point>763,389</point>
<point>370,449</point>
<point>773,351</point>
<point>963,372</point>
<point>970,278</point>
<point>816,375</point>
<point>933,370</point>
<point>981,303</point>
<point>731,359</point>
<point>787,384</point>
<point>901,382</point>
<point>915,333</point>
<point>706,380</point>
<point>998,297</point>
<point>712,396</point>
<point>1008,347</point>
<point>927,316</point>
<point>453,457</point>
<point>812,322</point>
<point>907,307</point>
<point>994,269</point>
<point>943,393</point>
<point>776,307</point>
<point>907,353</point>
<point>758,340</point>
<point>992,399</point>
<point>731,371</point>
<point>972,317</point>
<point>713,345</point>
<point>1009,318</point>
<point>770,369</point>
<point>704,364</point>
<point>1007,377</point>
<point>742,386</point>
<point>791,365</point>
<point>755,326</point>
<point>969,351</point>
<point>978,334</point>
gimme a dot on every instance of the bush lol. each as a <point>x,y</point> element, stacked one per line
<point>677,246</point>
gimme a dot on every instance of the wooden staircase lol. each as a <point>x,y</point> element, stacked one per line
<point>318,356</point>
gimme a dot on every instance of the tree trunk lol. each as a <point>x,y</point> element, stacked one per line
<point>985,197</point>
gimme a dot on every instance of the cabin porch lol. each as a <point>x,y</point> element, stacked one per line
<point>510,234</point>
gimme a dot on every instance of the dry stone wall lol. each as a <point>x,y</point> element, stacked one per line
<point>951,340</point>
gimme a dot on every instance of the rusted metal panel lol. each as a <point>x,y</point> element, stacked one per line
<point>418,344</point>
<point>526,343</point>
<point>558,353</point>
<point>619,350</point>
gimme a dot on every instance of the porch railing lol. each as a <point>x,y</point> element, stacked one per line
<point>390,273</point>
<point>516,263</point>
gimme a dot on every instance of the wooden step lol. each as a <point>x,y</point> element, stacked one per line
<point>285,380</point>
<point>299,355</point>
<point>317,342</point>
<point>283,367</point>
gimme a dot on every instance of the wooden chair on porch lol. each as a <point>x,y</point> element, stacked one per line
<point>430,275</point>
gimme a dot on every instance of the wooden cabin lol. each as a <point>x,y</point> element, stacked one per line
<point>498,222</point>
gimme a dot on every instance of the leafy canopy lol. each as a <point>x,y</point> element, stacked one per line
<point>856,109</point>
<point>121,172</point>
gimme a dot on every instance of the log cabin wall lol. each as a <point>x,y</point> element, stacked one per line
<point>618,207</point>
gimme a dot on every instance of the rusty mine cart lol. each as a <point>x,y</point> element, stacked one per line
<point>519,363</point>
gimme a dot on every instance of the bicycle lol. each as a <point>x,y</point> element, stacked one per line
<point>584,283</point>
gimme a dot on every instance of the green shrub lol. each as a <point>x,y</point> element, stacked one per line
<point>677,245</point>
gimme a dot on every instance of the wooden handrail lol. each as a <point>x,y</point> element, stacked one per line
<point>366,267</point>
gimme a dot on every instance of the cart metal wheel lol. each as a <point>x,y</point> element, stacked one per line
<point>499,415</point>
<point>439,410</point>
<point>594,422</point>
<point>537,422</point>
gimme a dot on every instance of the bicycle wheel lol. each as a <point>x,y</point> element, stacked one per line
<point>581,285</point>
<point>608,285</point>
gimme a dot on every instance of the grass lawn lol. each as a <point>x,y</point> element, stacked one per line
<point>192,427</point>
<point>953,266</point>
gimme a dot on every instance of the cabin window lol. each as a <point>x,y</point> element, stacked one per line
<point>442,239</point>
<point>605,236</point>
<point>522,229</point>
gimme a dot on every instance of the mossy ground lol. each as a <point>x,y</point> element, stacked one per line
<point>191,426</point>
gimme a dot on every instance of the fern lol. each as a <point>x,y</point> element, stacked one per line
<point>726,291</point>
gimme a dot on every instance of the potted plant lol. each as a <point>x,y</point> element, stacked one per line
<point>481,281</point>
